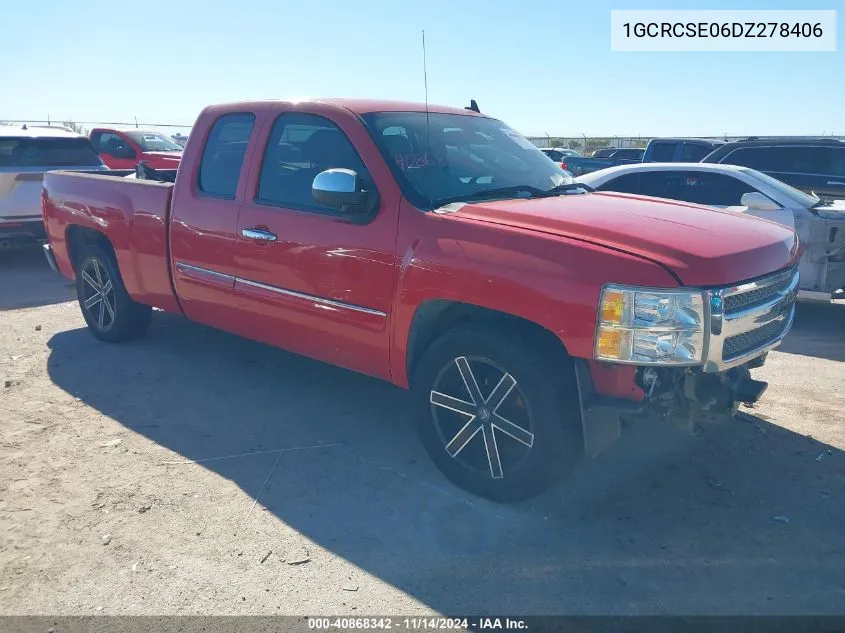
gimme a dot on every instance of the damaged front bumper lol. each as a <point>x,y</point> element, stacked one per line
<point>743,323</point>
<point>684,398</point>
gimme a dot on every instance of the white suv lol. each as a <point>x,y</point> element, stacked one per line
<point>25,154</point>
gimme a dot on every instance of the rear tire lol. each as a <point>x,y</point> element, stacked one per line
<point>109,311</point>
<point>513,436</point>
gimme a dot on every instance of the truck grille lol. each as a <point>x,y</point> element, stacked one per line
<point>750,318</point>
<point>736,346</point>
<point>758,296</point>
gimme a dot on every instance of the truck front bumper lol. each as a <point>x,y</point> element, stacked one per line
<point>681,396</point>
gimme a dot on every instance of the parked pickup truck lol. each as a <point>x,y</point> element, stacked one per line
<point>441,251</point>
<point>579,165</point>
<point>125,149</point>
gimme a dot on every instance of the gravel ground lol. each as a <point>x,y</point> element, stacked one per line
<point>124,489</point>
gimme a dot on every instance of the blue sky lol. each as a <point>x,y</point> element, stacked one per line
<point>540,65</point>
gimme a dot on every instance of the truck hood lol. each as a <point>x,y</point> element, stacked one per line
<point>702,246</point>
<point>175,155</point>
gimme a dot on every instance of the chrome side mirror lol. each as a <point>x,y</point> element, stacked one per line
<point>339,188</point>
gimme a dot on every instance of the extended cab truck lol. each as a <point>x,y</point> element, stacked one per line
<point>445,253</point>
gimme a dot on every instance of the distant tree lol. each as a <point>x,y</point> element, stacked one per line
<point>75,127</point>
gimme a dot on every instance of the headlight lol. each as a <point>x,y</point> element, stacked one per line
<point>650,327</point>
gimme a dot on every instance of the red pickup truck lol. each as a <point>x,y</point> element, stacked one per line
<point>124,149</point>
<point>441,251</point>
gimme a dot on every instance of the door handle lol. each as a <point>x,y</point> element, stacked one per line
<point>258,234</point>
<point>836,182</point>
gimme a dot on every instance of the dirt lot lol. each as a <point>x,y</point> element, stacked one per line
<point>124,489</point>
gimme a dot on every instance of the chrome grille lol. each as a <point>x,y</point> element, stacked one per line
<point>750,318</point>
<point>736,346</point>
<point>759,295</point>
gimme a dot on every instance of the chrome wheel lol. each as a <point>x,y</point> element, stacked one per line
<point>98,298</point>
<point>481,416</point>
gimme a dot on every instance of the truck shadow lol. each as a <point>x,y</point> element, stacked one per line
<point>26,280</point>
<point>653,526</point>
<point>819,331</point>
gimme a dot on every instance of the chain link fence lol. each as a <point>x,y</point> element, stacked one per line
<point>588,144</point>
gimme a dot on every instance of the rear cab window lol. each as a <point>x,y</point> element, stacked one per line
<point>693,152</point>
<point>629,154</point>
<point>47,152</point>
<point>661,152</point>
<point>223,155</point>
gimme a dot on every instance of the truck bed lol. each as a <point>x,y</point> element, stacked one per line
<point>133,213</point>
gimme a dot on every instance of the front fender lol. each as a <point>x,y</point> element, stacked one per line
<point>549,280</point>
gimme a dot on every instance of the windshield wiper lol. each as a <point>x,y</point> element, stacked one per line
<point>489,194</point>
<point>570,186</point>
<point>513,192</point>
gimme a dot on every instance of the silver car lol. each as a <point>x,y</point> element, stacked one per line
<point>26,152</point>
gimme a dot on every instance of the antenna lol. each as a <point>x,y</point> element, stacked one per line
<point>427,124</point>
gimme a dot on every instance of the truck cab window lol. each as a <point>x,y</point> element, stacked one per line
<point>223,155</point>
<point>662,152</point>
<point>692,153</point>
<point>300,147</point>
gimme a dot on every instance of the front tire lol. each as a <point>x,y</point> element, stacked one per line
<point>498,412</point>
<point>109,311</point>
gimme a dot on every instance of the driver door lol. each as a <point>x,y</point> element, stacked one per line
<point>309,278</point>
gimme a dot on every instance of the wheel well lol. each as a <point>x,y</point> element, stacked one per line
<point>437,316</point>
<point>78,237</point>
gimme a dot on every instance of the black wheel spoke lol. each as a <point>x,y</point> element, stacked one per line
<point>469,380</point>
<point>453,404</point>
<point>500,392</point>
<point>492,450</point>
<point>90,281</point>
<point>97,273</point>
<point>514,430</point>
<point>469,431</point>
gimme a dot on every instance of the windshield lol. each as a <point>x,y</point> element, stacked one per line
<point>154,142</point>
<point>458,157</point>
<point>799,197</point>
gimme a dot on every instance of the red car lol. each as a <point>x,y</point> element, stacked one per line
<point>437,249</point>
<point>124,149</point>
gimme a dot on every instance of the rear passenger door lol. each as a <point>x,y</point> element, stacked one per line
<point>204,218</point>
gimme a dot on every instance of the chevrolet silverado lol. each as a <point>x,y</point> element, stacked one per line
<point>438,249</point>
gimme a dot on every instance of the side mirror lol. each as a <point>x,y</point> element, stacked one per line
<point>341,188</point>
<point>123,151</point>
<point>758,202</point>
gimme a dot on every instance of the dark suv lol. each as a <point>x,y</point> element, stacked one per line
<point>679,150</point>
<point>811,164</point>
